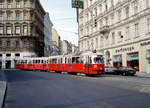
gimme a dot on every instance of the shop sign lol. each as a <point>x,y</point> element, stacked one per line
<point>124,49</point>
<point>132,57</point>
<point>145,43</point>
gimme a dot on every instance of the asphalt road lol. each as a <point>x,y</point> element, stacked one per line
<point>51,90</point>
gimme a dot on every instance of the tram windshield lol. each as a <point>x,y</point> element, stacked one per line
<point>98,60</point>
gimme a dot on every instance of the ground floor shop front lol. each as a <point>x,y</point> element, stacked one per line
<point>135,55</point>
<point>8,59</point>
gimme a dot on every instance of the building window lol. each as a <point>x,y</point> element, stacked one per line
<point>31,3</point>
<point>101,41</point>
<point>25,29</point>
<point>8,30</point>
<point>148,3</point>
<point>127,11</point>
<point>17,30</point>
<point>1,30</point>
<point>25,15</point>
<point>96,42</point>
<point>1,16</point>
<point>112,18</point>
<point>90,2</point>
<point>112,2</point>
<point>31,16</point>
<point>17,4</point>
<point>120,35</point>
<point>148,24</point>
<point>8,43</point>
<point>9,3</point>
<point>8,16</point>
<point>113,38</point>
<point>119,15</point>
<point>136,29</point>
<point>1,44</point>
<point>95,22</point>
<point>17,44</point>
<point>17,16</point>
<point>106,21</point>
<point>127,32</point>
<point>100,8</point>
<point>106,6</point>
<point>1,4</point>
<point>25,3</point>
<point>95,9</point>
<point>135,6</point>
<point>88,45</point>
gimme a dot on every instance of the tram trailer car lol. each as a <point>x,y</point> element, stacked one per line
<point>92,64</point>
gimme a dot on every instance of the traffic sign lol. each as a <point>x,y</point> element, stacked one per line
<point>77,4</point>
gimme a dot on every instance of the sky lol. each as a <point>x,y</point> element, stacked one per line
<point>63,17</point>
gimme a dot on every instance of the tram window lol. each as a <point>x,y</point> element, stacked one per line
<point>61,60</point>
<point>99,60</point>
<point>44,61</point>
<point>73,60</point>
<point>77,60</point>
<point>54,61</point>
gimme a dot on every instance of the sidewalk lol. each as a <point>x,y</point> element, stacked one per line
<point>3,85</point>
<point>143,74</point>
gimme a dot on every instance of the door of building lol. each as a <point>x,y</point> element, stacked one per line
<point>148,66</point>
<point>133,60</point>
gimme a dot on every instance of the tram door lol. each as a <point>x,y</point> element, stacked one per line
<point>69,64</point>
<point>8,64</point>
<point>88,64</point>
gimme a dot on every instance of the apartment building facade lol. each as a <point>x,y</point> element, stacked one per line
<point>47,35</point>
<point>55,42</point>
<point>120,29</point>
<point>65,48</point>
<point>21,30</point>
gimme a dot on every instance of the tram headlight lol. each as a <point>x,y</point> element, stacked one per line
<point>101,68</point>
<point>95,66</point>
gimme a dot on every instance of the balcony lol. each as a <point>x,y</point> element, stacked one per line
<point>104,29</point>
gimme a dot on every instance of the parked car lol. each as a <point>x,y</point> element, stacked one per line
<point>126,71</point>
<point>110,70</point>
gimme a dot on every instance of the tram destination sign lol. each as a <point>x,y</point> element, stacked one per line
<point>77,4</point>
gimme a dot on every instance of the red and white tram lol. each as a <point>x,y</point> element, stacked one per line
<point>92,64</point>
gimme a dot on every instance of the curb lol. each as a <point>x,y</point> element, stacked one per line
<point>4,83</point>
<point>142,74</point>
